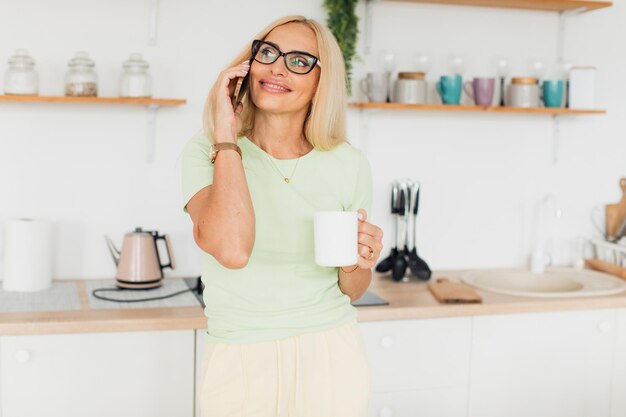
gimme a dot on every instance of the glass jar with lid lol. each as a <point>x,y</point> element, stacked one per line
<point>21,77</point>
<point>81,79</point>
<point>135,81</point>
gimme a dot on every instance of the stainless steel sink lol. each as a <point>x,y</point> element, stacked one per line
<point>555,282</point>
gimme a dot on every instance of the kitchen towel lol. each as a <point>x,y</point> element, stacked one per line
<point>453,292</point>
<point>27,255</point>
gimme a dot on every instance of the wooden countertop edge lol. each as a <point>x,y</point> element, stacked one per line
<point>409,301</point>
<point>380,313</point>
<point>95,321</point>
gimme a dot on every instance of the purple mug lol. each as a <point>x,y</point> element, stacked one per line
<point>481,90</point>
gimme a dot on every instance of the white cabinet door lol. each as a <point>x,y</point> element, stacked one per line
<point>129,374</point>
<point>542,364</point>
<point>418,354</point>
<point>441,402</point>
<point>618,399</point>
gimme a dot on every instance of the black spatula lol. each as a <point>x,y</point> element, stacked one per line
<point>386,264</point>
<point>419,268</point>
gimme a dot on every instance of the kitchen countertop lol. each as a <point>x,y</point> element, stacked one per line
<point>407,301</point>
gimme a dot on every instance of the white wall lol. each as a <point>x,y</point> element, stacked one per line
<point>83,167</point>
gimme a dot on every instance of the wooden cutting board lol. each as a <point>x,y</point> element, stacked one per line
<point>616,213</point>
<point>449,292</point>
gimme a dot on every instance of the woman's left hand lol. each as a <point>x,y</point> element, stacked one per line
<point>370,242</point>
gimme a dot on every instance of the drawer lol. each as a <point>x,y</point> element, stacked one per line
<point>418,354</point>
<point>441,402</point>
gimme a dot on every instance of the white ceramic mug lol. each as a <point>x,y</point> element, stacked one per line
<point>336,238</point>
<point>376,86</point>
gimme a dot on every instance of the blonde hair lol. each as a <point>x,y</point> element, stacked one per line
<point>325,123</point>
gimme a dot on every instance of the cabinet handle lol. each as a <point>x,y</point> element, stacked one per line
<point>604,327</point>
<point>22,355</point>
<point>385,412</point>
<point>386,342</point>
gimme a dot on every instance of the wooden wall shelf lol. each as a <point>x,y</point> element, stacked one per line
<point>466,108</point>
<point>101,100</point>
<point>546,5</point>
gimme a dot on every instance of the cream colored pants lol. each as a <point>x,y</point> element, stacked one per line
<point>318,374</point>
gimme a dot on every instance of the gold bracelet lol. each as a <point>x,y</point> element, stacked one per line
<point>347,272</point>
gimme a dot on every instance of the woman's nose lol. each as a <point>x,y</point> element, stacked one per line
<point>278,67</point>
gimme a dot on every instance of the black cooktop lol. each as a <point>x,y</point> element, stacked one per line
<point>368,299</point>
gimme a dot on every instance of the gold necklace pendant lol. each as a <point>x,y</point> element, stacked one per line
<point>286,179</point>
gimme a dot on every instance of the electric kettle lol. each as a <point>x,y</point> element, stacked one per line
<point>139,263</point>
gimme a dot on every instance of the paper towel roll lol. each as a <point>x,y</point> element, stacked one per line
<point>27,255</point>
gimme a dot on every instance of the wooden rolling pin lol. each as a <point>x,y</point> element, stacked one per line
<point>607,267</point>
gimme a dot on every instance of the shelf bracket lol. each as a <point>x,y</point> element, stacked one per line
<point>556,138</point>
<point>151,132</point>
<point>153,19</point>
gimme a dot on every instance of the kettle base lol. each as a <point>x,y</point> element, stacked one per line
<point>141,285</point>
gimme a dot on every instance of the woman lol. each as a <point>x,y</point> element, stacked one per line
<point>282,338</point>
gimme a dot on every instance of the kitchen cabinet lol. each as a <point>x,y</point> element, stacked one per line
<point>437,402</point>
<point>542,364</point>
<point>618,399</point>
<point>419,367</point>
<point>125,374</point>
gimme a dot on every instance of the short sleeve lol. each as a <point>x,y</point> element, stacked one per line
<point>362,196</point>
<point>197,170</point>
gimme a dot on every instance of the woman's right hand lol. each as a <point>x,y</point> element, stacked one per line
<point>226,120</point>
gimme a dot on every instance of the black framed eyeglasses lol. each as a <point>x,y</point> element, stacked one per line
<point>298,62</point>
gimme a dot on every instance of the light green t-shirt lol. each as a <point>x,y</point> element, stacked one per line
<point>281,292</point>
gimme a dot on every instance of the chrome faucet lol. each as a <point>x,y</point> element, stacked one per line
<point>539,258</point>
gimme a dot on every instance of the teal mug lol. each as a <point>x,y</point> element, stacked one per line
<point>552,93</point>
<point>449,88</point>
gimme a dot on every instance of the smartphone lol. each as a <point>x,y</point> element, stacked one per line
<point>240,90</point>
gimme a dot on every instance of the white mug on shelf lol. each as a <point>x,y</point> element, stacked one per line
<point>376,86</point>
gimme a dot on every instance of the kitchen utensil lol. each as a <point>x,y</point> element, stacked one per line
<point>417,265</point>
<point>607,267</point>
<point>386,264</point>
<point>400,263</point>
<point>138,263</point>
<point>621,231</point>
<point>616,213</point>
<point>449,292</point>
